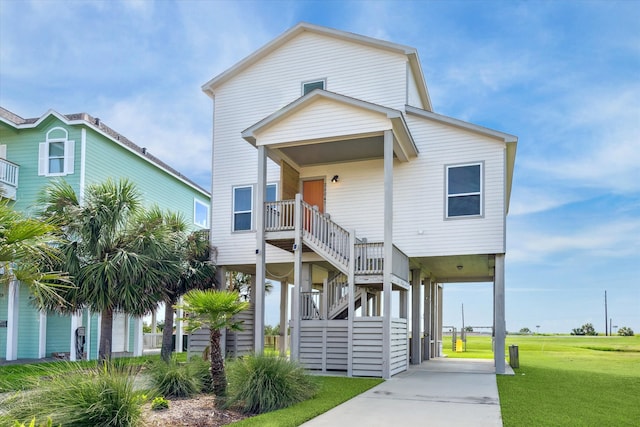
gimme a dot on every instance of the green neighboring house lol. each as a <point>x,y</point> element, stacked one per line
<point>82,150</point>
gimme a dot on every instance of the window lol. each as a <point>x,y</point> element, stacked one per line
<point>242,208</point>
<point>56,154</point>
<point>272,193</point>
<point>464,190</point>
<point>311,85</point>
<point>200,213</point>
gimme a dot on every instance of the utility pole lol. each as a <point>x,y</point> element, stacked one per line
<point>606,315</point>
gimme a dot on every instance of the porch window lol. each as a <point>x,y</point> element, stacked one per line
<point>242,208</point>
<point>56,154</point>
<point>200,213</point>
<point>312,85</point>
<point>464,190</point>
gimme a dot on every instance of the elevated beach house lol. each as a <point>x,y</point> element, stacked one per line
<point>82,150</point>
<point>333,174</point>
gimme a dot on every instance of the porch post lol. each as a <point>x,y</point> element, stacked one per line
<point>351,314</point>
<point>416,356</point>
<point>499,324</point>
<point>42,335</point>
<point>179,327</point>
<point>388,253</point>
<point>297,280</point>
<point>284,297</point>
<point>12,321</point>
<point>75,321</point>
<point>427,319</point>
<point>138,337</point>
<point>440,290</point>
<point>261,265</point>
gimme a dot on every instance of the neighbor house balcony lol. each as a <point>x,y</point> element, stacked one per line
<point>8,179</point>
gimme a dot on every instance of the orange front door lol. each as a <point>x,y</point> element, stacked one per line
<point>313,193</point>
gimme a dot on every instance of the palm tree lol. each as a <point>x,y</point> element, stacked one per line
<point>198,273</point>
<point>214,309</point>
<point>119,254</point>
<point>28,254</point>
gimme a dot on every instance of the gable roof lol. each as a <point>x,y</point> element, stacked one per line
<point>97,125</point>
<point>406,145</point>
<point>410,52</point>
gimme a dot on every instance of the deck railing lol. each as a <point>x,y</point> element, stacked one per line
<point>9,173</point>
<point>369,258</point>
<point>400,264</point>
<point>310,305</point>
<point>279,215</point>
<point>337,292</point>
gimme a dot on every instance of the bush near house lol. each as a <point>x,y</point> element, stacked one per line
<point>625,332</point>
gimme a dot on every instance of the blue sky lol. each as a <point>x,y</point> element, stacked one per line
<point>563,76</point>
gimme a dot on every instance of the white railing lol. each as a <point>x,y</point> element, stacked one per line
<point>279,215</point>
<point>9,173</point>
<point>324,233</point>
<point>369,258</point>
<point>400,264</point>
<point>309,305</point>
<point>337,293</point>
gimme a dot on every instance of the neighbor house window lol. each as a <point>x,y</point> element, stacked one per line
<point>312,85</point>
<point>242,208</point>
<point>200,213</point>
<point>56,154</point>
<point>464,190</point>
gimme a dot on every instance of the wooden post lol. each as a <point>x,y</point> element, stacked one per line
<point>297,280</point>
<point>416,336</point>
<point>499,321</point>
<point>284,297</point>
<point>388,253</point>
<point>261,266</point>
<point>351,282</point>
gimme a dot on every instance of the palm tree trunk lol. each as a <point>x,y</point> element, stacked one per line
<point>218,377</point>
<point>167,332</point>
<point>106,335</point>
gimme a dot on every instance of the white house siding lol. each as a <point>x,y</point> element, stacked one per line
<point>324,118</point>
<point>413,97</point>
<point>351,69</point>
<point>420,228</point>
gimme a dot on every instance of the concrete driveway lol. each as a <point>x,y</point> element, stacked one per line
<point>439,392</point>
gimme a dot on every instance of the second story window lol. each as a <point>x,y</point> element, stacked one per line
<point>312,85</point>
<point>56,154</point>
<point>464,190</point>
<point>242,208</point>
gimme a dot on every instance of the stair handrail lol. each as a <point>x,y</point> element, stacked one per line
<point>338,290</point>
<point>309,306</point>
<point>326,234</point>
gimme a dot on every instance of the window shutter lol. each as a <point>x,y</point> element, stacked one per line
<point>3,151</point>
<point>43,159</point>
<point>69,156</point>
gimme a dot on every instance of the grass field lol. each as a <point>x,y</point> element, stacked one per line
<point>567,380</point>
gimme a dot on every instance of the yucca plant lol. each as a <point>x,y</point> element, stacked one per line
<point>97,397</point>
<point>260,383</point>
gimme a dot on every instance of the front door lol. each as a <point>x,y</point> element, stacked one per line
<point>313,194</point>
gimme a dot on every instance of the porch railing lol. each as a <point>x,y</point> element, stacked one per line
<point>337,292</point>
<point>279,215</point>
<point>400,264</point>
<point>9,173</point>
<point>369,258</point>
<point>310,305</point>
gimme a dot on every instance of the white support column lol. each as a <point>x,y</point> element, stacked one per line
<point>42,335</point>
<point>76,320</point>
<point>388,253</point>
<point>427,319</point>
<point>416,335</point>
<point>499,323</point>
<point>439,289</point>
<point>87,342</point>
<point>138,337</point>
<point>351,279</point>
<point>297,280</point>
<point>284,297</point>
<point>179,327</point>
<point>261,266</point>
<point>324,302</point>
<point>12,321</point>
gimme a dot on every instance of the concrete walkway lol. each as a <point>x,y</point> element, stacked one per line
<point>439,392</point>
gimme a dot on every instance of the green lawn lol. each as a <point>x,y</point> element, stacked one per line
<point>567,380</point>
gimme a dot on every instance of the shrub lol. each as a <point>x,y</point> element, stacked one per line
<point>102,396</point>
<point>625,332</point>
<point>33,423</point>
<point>159,403</point>
<point>175,379</point>
<point>259,384</point>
